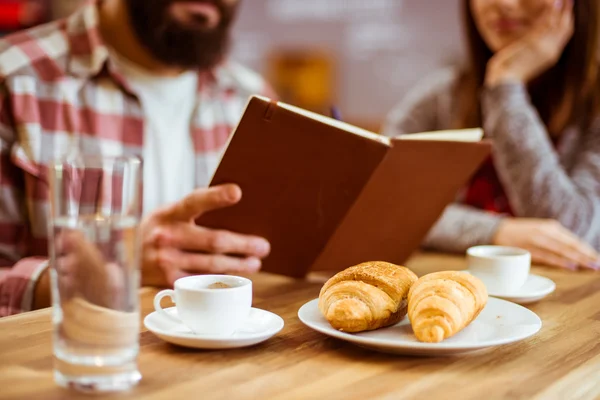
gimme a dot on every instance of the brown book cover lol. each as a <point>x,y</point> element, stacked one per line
<point>328,195</point>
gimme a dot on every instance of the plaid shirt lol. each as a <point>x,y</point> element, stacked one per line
<point>58,83</point>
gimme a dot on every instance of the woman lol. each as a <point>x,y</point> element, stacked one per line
<point>533,85</point>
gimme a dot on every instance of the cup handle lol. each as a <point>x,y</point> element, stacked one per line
<point>165,293</point>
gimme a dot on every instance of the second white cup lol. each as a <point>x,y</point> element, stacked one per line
<point>209,304</point>
<point>501,269</point>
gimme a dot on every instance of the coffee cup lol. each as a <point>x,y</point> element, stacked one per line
<point>209,304</point>
<point>502,269</point>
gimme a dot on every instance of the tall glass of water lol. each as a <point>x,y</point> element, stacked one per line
<point>95,271</point>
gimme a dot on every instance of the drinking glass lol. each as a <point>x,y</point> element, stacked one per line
<point>95,271</point>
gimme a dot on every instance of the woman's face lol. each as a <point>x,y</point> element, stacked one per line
<point>502,22</point>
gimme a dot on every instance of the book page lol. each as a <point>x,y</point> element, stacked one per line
<point>333,122</point>
<point>460,135</point>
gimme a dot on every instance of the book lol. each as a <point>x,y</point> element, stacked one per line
<point>329,195</point>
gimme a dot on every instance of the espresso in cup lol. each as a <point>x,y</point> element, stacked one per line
<point>219,285</point>
<point>502,269</point>
<point>209,304</point>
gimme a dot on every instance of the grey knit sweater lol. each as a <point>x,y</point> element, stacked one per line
<point>540,181</point>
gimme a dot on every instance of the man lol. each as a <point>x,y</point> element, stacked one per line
<point>145,77</point>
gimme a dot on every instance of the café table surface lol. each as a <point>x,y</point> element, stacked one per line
<point>561,362</point>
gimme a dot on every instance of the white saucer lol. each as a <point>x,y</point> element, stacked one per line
<point>534,289</point>
<point>260,326</point>
<point>500,322</point>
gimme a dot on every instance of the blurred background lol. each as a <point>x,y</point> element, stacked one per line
<point>360,55</point>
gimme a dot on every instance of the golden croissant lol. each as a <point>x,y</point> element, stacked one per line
<point>443,303</point>
<point>367,296</point>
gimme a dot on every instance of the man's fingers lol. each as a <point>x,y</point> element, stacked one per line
<point>198,239</point>
<point>67,264</point>
<point>188,237</point>
<point>69,241</point>
<point>217,264</point>
<point>175,274</point>
<point>203,200</point>
<point>224,242</point>
<point>177,264</point>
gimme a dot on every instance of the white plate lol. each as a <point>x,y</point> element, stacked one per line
<point>260,326</point>
<point>500,322</point>
<point>534,289</point>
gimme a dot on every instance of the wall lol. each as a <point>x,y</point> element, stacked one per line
<point>381,47</point>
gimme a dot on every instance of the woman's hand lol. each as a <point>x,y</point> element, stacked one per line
<point>548,242</point>
<point>538,51</point>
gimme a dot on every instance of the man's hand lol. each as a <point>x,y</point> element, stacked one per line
<point>173,246</point>
<point>83,270</point>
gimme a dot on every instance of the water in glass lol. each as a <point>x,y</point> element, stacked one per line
<point>94,251</point>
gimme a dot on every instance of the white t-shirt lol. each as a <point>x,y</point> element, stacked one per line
<point>168,104</point>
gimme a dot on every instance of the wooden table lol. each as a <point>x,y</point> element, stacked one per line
<point>561,362</point>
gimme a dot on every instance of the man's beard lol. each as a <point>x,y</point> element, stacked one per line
<point>173,43</point>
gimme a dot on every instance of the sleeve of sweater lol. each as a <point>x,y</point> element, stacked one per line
<point>536,183</point>
<point>428,107</point>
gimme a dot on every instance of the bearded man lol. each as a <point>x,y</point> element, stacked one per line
<point>148,78</point>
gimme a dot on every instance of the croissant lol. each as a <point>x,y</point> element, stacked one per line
<point>367,296</point>
<point>443,303</point>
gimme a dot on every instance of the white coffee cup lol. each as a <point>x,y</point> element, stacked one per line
<point>502,269</point>
<point>206,310</point>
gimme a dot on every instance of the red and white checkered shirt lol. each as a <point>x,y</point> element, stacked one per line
<point>58,83</point>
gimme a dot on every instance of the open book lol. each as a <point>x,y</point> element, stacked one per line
<point>328,195</point>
